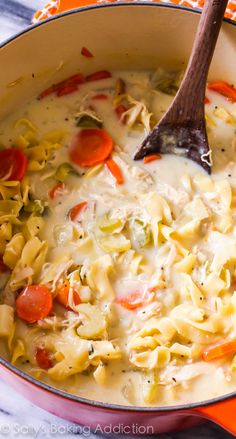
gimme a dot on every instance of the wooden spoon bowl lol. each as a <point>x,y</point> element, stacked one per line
<point>182,130</point>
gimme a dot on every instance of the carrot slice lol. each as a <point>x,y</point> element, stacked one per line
<point>225,89</point>
<point>188,4</point>
<point>232,7</point>
<point>13,164</point>
<point>62,88</point>
<point>76,210</point>
<point>218,351</point>
<point>90,147</point>
<point>34,303</point>
<point>72,80</point>
<point>63,295</point>
<point>85,52</point>
<point>99,97</point>
<point>43,359</point>
<point>69,85</point>
<point>56,190</point>
<point>132,301</point>
<point>151,158</point>
<point>115,171</point>
<point>50,90</point>
<point>97,76</point>
<point>67,90</point>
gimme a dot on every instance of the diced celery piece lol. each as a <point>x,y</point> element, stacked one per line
<point>63,171</point>
<point>114,243</point>
<point>88,121</point>
<point>140,233</point>
<point>168,82</point>
<point>93,322</point>
<point>36,207</point>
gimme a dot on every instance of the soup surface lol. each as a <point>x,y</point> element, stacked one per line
<point>117,277</point>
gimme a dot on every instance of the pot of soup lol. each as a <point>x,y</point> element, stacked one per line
<point>118,300</point>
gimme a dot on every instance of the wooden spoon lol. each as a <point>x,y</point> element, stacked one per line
<point>182,130</point>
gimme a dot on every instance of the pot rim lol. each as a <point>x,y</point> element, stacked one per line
<point>40,384</point>
<point>105,5</point>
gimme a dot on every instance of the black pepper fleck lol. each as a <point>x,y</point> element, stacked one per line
<point>91,349</point>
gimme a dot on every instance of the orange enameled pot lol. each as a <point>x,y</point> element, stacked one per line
<point>121,36</point>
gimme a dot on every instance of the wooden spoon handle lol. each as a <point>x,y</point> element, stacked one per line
<point>190,97</point>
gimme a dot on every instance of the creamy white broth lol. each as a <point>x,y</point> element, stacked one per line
<point>129,373</point>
